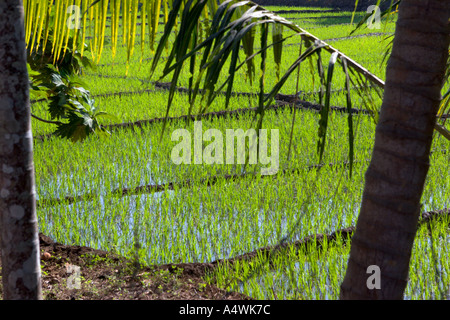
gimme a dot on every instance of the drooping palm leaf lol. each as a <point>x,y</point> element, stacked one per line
<point>324,112</point>
<point>232,22</point>
<point>350,117</point>
<point>182,42</point>
<point>277,36</point>
<point>222,46</point>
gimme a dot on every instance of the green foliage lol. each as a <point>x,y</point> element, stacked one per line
<point>198,224</point>
<point>58,82</point>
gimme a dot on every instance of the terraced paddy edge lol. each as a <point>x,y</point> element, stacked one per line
<point>106,276</point>
<point>196,210</point>
<point>283,102</point>
<point>262,260</point>
<point>265,253</point>
<point>151,188</point>
<point>315,269</point>
<point>124,195</point>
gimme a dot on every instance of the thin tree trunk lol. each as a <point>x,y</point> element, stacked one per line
<point>21,273</point>
<point>388,219</point>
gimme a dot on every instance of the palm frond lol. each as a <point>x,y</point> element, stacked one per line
<point>222,42</point>
<point>214,30</point>
<point>233,24</point>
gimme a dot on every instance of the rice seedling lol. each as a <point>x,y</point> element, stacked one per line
<point>106,193</point>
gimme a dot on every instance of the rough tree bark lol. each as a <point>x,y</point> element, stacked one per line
<point>395,179</point>
<point>21,273</point>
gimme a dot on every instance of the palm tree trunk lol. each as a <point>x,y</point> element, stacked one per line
<point>21,273</point>
<point>388,219</point>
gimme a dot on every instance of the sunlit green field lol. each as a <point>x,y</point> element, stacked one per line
<point>205,222</point>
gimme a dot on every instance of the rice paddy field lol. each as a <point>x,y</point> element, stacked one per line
<point>218,215</point>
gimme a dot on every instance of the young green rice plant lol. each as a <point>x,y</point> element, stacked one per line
<point>203,223</point>
<point>316,273</point>
<point>313,273</point>
<point>119,172</point>
<point>75,170</point>
<point>429,273</point>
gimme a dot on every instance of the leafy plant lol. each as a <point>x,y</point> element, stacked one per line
<point>56,80</point>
